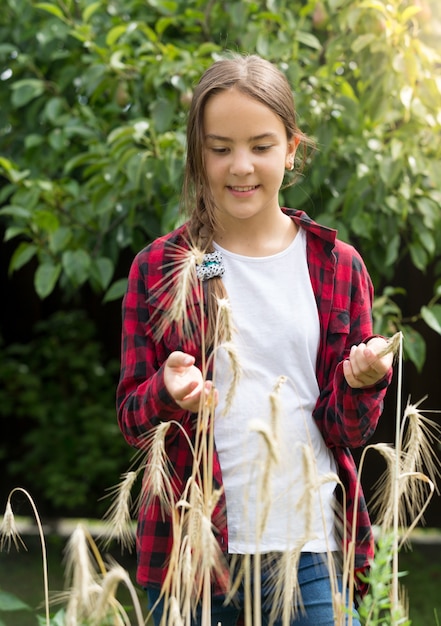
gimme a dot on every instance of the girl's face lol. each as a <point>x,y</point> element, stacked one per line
<point>246,152</point>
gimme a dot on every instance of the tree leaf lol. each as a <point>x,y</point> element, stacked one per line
<point>102,270</point>
<point>9,602</point>
<point>116,291</point>
<point>414,346</point>
<point>50,8</point>
<point>76,264</point>
<point>90,10</point>
<point>23,91</point>
<point>46,278</point>
<point>432,317</point>
<point>22,255</point>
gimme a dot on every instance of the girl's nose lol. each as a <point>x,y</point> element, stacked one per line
<point>241,163</point>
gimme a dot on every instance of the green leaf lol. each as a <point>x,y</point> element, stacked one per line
<point>432,317</point>
<point>116,291</point>
<point>307,39</point>
<point>90,10</point>
<point>59,619</point>
<point>392,250</point>
<point>9,602</point>
<point>59,239</point>
<point>419,255</point>
<point>102,271</point>
<point>76,264</point>
<point>414,346</point>
<point>361,42</point>
<point>162,114</point>
<point>46,220</point>
<point>13,210</point>
<point>22,255</point>
<point>115,33</point>
<point>26,90</point>
<point>50,8</point>
<point>46,278</point>
<point>13,231</point>
<point>12,172</point>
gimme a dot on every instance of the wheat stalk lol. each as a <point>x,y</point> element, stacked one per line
<point>175,290</point>
<point>118,517</point>
<point>9,532</point>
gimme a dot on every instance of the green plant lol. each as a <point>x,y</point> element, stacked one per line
<point>92,120</point>
<point>62,389</point>
<point>9,602</point>
<point>377,608</point>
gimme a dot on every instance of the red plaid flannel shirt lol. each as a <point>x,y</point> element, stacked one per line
<point>346,417</point>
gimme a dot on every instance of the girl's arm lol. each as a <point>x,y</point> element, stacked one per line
<point>355,381</point>
<point>142,397</point>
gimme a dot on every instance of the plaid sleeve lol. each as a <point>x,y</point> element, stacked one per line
<point>347,416</point>
<point>142,399</point>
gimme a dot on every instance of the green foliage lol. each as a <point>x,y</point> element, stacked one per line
<point>8,602</point>
<point>92,120</point>
<point>376,608</point>
<point>63,392</point>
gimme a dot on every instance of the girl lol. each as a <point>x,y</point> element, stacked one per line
<point>300,304</point>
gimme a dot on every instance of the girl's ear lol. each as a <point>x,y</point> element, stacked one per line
<point>291,152</point>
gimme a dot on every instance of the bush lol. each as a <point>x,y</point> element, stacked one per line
<point>60,392</point>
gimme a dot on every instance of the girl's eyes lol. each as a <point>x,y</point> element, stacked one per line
<point>258,149</point>
<point>263,148</point>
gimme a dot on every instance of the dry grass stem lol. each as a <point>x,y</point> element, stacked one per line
<point>419,440</point>
<point>270,458</point>
<point>265,431</point>
<point>173,613</point>
<point>425,495</point>
<point>178,292</point>
<point>9,532</point>
<point>381,503</point>
<point>224,322</point>
<point>80,572</point>
<point>393,345</point>
<point>311,484</point>
<point>157,482</point>
<point>118,517</point>
<point>286,597</point>
<point>236,373</point>
<point>107,603</point>
<point>416,459</point>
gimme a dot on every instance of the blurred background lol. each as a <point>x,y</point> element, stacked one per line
<point>93,104</point>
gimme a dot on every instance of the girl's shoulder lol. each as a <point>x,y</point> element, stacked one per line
<point>165,245</point>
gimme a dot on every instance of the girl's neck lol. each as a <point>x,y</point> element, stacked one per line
<point>257,239</point>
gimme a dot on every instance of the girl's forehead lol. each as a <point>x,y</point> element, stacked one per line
<point>236,112</point>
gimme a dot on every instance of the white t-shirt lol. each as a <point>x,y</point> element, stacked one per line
<point>277,335</point>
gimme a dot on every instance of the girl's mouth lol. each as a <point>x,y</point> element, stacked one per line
<point>243,189</point>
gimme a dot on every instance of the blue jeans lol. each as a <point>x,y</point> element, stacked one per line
<point>315,592</point>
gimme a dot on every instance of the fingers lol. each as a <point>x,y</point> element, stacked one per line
<point>363,367</point>
<point>185,383</point>
<point>180,360</point>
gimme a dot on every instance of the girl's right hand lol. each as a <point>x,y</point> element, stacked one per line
<point>184,381</point>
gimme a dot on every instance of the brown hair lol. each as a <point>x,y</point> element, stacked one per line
<point>258,79</point>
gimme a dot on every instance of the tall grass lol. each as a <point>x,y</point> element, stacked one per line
<point>196,559</point>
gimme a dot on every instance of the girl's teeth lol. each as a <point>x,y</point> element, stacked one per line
<point>242,188</point>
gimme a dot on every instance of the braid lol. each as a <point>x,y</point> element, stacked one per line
<point>201,231</point>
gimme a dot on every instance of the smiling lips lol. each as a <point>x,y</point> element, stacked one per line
<point>244,189</point>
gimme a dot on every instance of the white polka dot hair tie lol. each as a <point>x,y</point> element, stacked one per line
<point>211,266</point>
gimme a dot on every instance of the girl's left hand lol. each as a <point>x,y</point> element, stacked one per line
<point>364,368</point>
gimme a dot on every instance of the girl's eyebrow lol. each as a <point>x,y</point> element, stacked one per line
<point>228,139</point>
